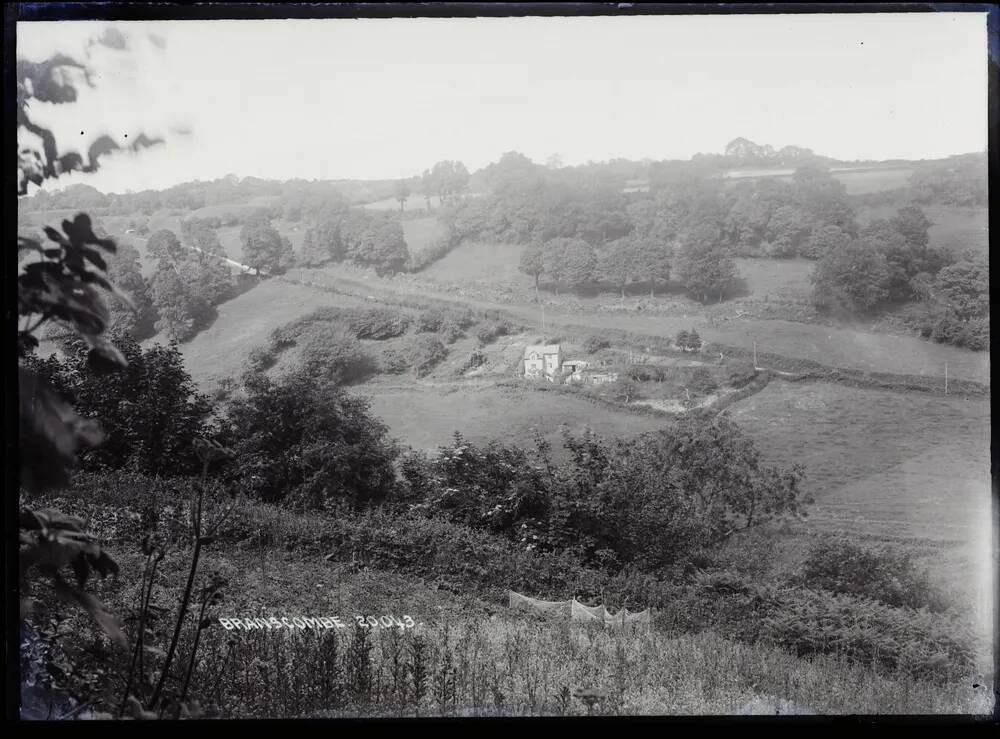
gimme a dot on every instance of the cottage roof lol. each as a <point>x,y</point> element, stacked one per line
<point>540,349</point>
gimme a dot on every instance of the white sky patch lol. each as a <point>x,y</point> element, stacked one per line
<point>386,98</point>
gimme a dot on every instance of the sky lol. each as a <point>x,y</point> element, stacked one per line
<point>387,98</point>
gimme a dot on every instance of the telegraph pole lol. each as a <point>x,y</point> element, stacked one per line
<point>755,355</point>
<point>945,378</point>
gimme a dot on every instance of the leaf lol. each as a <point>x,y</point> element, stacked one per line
<point>94,257</point>
<point>50,432</point>
<point>107,620</point>
<point>102,363</point>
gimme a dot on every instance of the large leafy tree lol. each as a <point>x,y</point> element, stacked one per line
<point>533,262</point>
<point>305,441</point>
<point>569,261</point>
<point>125,272</point>
<point>824,240</point>
<point>619,263</point>
<point>264,249</point>
<point>653,260</point>
<point>853,278</point>
<point>704,265</point>
<point>965,287</point>
<point>150,409</point>
<point>788,230</point>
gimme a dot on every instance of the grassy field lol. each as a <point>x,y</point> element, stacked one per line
<point>420,232</point>
<point>954,228</point>
<point>858,182</point>
<point>425,416</point>
<point>887,467</point>
<point>416,201</point>
<point>786,279</point>
<point>245,322</point>
<point>480,262</point>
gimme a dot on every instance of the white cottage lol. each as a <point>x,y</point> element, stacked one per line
<point>542,360</point>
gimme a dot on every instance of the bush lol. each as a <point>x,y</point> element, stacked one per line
<point>420,353</point>
<point>740,373</point>
<point>305,441</point>
<point>702,381</point>
<point>593,344</point>
<point>261,359</point>
<point>376,323</point>
<point>882,575</point>
<point>330,354</point>
<point>977,334</point>
<point>448,324</point>
<point>492,331</point>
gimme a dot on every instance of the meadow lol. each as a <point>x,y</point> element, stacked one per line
<point>421,232</point>
<point>245,322</point>
<point>425,416</point>
<point>902,468</point>
<point>860,181</point>
<point>954,228</point>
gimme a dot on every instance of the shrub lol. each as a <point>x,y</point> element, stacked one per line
<point>331,354</point>
<point>448,324</point>
<point>593,344</point>
<point>420,353</point>
<point>883,575</point>
<point>307,442</point>
<point>492,331</point>
<point>740,373</point>
<point>702,381</point>
<point>376,323</point>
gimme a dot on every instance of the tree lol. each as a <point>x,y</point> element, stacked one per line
<point>450,179</point>
<point>181,311</point>
<point>823,240</point>
<point>150,410</point>
<point>823,197</point>
<point>263,247</point>
<point>381,245</point>
<point>533,262</point>
<point>913,224</point>
<point>624,390</point>
<point>569,261</point>
<point>652,258</point>
<point>164,245</point>
<point>401,191</point>
<point>788,230</point>
<point>619,263</point>
<point>704,266</point>
<point>427,187</point>
<point>304,441</point>
<point>125,272</point>
<point>964,287</point>
<point>853,278</point>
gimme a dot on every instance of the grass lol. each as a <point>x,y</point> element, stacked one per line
<point>415,202</point>
<point>952,227</point>
<point>887,467</point>
<point>479,657</point>
<point>420,232</point>
<point>857,182</point>
<point>480,261</point>
<point>425,416</point>
<point>245,322</point>
<point>786,279</point>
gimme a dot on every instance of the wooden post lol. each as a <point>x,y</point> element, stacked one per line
<point>755,355</point>
<point>945,378</point>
